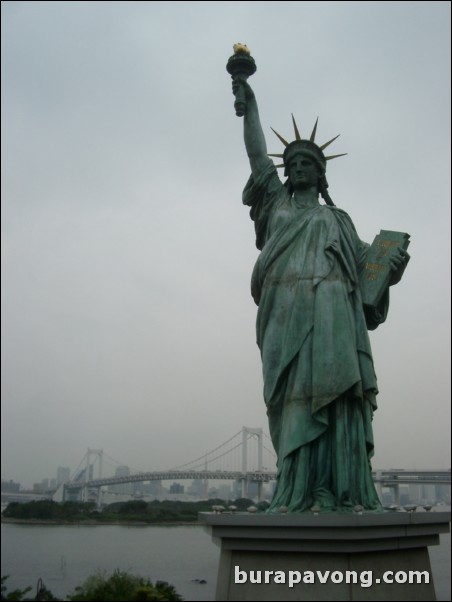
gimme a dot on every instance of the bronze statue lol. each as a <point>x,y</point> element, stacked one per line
<point>319,381</point>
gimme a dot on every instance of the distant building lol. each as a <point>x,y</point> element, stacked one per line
<point>212,493</point>
<point>10,487</point>
<point>153,488</point>
<point>442,493</point>
<point>225,492</point>
<point>252,490</point>
<point>123,488</point>
<point>236,490</point>
<point>42,486</point>
<point>122,471</point>
<point>176,488</point>
<point>198,488</point>
<point>63,474</point>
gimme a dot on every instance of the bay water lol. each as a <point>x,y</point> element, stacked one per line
<point>63,556</point>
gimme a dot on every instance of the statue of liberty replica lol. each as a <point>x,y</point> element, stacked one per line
<point>319,289</point>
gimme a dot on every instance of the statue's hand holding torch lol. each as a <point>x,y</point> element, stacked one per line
<point>240,65</point>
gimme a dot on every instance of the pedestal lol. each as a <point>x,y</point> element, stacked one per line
<point>326,556</point>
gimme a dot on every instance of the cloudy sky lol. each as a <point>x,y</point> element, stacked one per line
<point>127,320</point>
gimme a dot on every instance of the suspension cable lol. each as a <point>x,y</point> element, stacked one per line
<point>204,456</point>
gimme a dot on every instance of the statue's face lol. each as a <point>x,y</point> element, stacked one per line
<point>303,172</point>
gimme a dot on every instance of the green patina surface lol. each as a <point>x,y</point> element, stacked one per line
<point>312,327</point>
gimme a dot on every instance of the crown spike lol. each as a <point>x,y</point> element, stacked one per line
<point>329,142</point>
<point>312,138</point>
<point>295,129</point>
<point>335,156</point>
<point>279,155</point>
<point>280,165</point>
<point>280,137</point>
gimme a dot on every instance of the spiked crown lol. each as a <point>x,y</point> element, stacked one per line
<point>306,146</point>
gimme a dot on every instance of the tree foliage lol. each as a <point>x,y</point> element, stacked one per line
<point>50,510</point>
<point>166,511</point>
<point>16,594</point>
<point>119,586</point>
<point>122,586</point>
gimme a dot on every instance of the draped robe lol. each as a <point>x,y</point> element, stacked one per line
<point>319,381</point>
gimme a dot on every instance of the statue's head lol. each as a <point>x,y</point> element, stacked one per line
<point>309,149</point>
<point>305,166</point>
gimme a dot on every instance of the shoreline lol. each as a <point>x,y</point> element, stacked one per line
<point>95,523</point>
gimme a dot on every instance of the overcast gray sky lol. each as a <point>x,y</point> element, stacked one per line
<point>128,323</point>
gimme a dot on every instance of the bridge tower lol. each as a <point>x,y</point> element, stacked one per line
<point>258,433</point>
<point>89,454</point>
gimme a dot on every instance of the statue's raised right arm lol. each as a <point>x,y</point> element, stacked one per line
<point>255,144</point>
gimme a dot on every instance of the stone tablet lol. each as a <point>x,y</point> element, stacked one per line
<point>374,279</point>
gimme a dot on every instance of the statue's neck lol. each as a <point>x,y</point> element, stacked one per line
<point>306,198</point>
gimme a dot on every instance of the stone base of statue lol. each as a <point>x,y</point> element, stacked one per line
<point>326,556</point>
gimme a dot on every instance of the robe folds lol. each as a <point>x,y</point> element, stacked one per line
<point>319,382</point>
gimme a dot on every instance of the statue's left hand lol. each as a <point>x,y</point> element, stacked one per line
<point>398,263</point>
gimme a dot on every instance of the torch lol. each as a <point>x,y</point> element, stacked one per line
<point>240,63</point>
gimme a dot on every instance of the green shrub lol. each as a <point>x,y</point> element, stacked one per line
<point>17,594</point>
<point>122,586</point>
